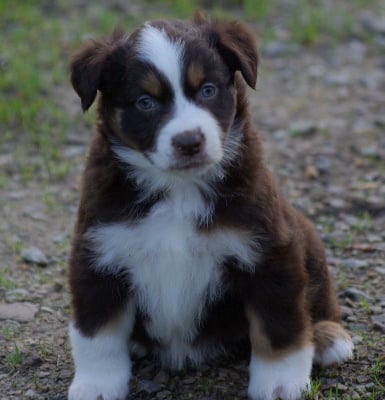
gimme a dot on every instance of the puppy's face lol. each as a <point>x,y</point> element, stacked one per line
<point>168,89</point>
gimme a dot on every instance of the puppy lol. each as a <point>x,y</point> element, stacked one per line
<point>184,245</point>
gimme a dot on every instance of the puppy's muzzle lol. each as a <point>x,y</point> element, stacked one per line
<point>188,143</point>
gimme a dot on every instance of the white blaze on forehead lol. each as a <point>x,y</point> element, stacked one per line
<point>167,55</point>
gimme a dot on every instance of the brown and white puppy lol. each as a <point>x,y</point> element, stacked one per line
<point>184,244</point>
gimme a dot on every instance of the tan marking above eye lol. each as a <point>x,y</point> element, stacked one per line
<point>151,84</point>
<point>195,75</point>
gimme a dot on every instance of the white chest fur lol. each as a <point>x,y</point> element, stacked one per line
<point>174,269</point>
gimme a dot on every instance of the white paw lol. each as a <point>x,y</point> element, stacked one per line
<point>341,350</point>
<point>106,389</point>
<point>286,378</point>
<point>102,366</point>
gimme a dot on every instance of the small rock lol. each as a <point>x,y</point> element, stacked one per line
<point>362,378</point>
<point>337,203</point>
<point>280,49</point>
<point>316,71</point>
<point>353,263</point>
<point>355,294</point>
<point>32,361</point>
<point>161,377</point>
<point>164,394</point>
<point>379,322</point>
<point>375,309</point>
<point>303,128</point>
<point>34,255</point>
<point>357,339</point>
<point>340,78</point>
<point>18,294</point>
<point>148,386</point>
<point>373,23</point>
<point>356,51</point>
<point>30,393</point>
<point>370,151</point>
<point>323,164</point>
<point>189,380</point>
<point>311,172</point>
<point>346,312</point>
<point>380,270</point>
<point>74,151</point>
<point>22,312</point>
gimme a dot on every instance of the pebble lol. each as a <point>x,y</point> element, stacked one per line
<point>280,49</point>
<point>30,393</point>
<point>148,386</point>
<point>15,295</point>
<point>355,294</point>
<point>353,263</point>
<point>376,309</point>
<point>161,377</point>
<point>337,203</point>
<point>379,322</point>
<point>380,270</point>
<point>373,23</point>
<point>34,255</point>
<point>164,394</point>
<point>340,78</point>
<point>22,312</point>
<point>74,151</point>
<point>303,128</point>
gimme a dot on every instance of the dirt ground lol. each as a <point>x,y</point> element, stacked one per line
<point>321,113</point>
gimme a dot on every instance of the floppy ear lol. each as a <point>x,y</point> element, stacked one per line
<point>87,67</point>
<point>237,46</point>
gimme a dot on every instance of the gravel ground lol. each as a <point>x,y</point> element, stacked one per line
<point>321,113</point>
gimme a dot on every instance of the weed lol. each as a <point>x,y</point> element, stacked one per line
<point>363,223</point>
<point>341,243</point>
<point>5,282</point>
<point>256,9</point>
<point>14,358</point>
<point>315,385</point>
<point>7,332</point>
<point>43,352</point>
<point>378,373</point>
<point>364,304</point>
<point>35,380</point>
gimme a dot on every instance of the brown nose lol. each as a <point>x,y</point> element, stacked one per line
<point>188,143</point>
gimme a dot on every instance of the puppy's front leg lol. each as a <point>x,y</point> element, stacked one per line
<point>282,348</point>
<point>102,362</point>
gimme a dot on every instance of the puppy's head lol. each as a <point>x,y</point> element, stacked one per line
<point>167,91</point>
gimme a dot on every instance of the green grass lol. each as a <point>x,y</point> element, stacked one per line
<point>5,282</point>
<point>35,50</point>
<point>39,37</point>
<point>14,358</point>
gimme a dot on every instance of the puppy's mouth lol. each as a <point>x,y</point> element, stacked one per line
<point>193,165</point>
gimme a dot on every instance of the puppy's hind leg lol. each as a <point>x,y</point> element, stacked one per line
<point>333,344</point>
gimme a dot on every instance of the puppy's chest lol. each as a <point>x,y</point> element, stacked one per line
<point>174,269</point>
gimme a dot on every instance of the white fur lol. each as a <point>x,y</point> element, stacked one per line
<point>156,47</point>
<point>341,350</point>
<point>286,378</point>
<point>102,363</point>
<point>174,269</point>
<point>167,56</point>
<point>152,180</point>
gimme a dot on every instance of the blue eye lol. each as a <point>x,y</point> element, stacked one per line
<point>146,103</point>
<point>208,90</point>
